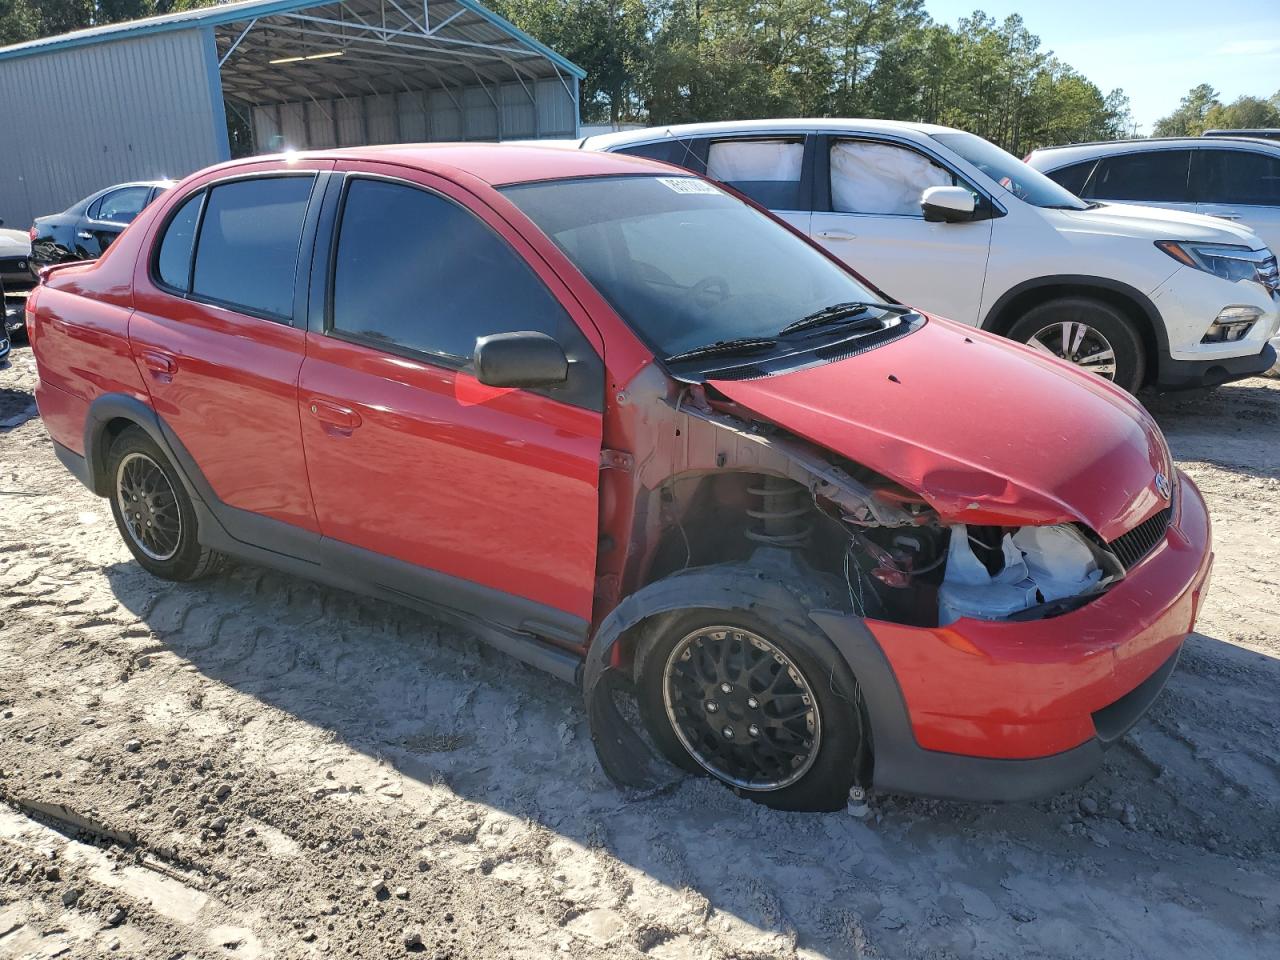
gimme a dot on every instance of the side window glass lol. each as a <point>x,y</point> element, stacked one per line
<point>877,178</point>
<point>173,262</point>
<point>121,206</point>
<point>1159,175</point>
<point>1237,176</point>
<point>679,152</point>
<point>452,279</point>
<point>767,171</point>
<point>1074,176</point>
<point>247,254</point>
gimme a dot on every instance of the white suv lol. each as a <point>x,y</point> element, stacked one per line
<point>951,224</point>
<point>1233,178</point>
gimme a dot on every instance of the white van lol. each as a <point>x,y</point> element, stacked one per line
<point>951,224</point>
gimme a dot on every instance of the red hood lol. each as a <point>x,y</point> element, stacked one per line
<point>987,431</point>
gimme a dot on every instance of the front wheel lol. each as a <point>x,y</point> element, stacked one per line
<point>1093,335</point>
<point>761,703</point>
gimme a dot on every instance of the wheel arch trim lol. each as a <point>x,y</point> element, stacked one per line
<point>1082,283</point>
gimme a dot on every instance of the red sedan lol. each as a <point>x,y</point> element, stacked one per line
<point>636,431</point>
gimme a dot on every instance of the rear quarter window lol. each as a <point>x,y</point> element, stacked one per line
<point>1073,177</point>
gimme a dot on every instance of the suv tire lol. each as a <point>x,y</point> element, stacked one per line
<point>1080,330</point>
<point>679,682</point>
<point>153,511</point>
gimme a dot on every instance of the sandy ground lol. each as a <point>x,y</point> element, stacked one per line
<point>256,766</point>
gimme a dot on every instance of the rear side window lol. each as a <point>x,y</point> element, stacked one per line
<point>173,263</point>
<point>679,152</point>
<point>247,253</point>
<point>121,206</point>
<point>1074,176</point>
<point>1159,175</point>
<point>1238,176</point>
<point>767,171</point>
<point>447,280</point>
<point>881,179</point>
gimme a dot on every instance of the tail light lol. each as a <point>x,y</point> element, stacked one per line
<point>33,232</point>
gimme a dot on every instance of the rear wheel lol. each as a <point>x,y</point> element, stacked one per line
<point>1093,335</point>
<point>760,702</point>
<point>152,510</point>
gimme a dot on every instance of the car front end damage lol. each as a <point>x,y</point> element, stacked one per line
<point>1000,641</point>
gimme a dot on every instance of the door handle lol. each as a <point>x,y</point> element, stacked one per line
<point>161,365</point>
<point>335,417</point>
<point>837,235</point>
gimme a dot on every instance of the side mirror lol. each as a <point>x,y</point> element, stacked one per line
<point>947,204</point>
<point>520,359</point>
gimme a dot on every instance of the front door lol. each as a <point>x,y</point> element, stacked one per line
<point>107,217</point>
<point>216,343</point>
<point>869,216</point>
<point>478,498</point>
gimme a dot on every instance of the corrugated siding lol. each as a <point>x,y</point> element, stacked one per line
<point>75,120</point>
<point>417,117</point>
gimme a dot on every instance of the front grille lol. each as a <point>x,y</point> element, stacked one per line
<point>1132,547</point>
<point>1269,274</point>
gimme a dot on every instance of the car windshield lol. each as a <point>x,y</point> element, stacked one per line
<point>1022,181</point>
<point>686,264</point>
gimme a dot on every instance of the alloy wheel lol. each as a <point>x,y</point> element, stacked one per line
<point>1077,343</point>
<point>149,506</point>
<point>741,708</point>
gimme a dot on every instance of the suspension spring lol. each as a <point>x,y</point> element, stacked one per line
<point>783,513</point>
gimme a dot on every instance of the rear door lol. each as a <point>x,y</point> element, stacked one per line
<point>1242,186</point>
<point>1156,178</point>
<point>219,338</point>
<point>483,499</point>
<point>867,212</point>
<point>107,217</point>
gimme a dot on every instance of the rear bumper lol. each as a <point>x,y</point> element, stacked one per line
<point>1190,374</point>
<point>1010,711</point>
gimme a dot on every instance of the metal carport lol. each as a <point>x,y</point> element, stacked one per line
<point>152,98</point>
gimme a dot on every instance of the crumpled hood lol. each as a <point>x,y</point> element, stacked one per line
<point>987,431</point>
<point>1156,223</point>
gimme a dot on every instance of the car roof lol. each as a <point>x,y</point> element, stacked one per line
<point>1079,152</point>
<point>606,141</point>
<point>497,164</point>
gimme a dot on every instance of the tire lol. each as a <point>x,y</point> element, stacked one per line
<point>1042,328</point>
<point>145,484</point>
<point>833,764</point>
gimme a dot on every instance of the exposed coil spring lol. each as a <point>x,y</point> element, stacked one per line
<point>784,507</point>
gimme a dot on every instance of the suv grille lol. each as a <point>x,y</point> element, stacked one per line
<point>1132,547</point>
<point>1269,274</point>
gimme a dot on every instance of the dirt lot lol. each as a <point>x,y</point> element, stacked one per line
<point>255,766</point>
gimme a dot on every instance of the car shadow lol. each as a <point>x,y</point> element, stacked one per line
<point>912,877</point>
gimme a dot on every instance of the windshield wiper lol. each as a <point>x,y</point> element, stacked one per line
<point>839,311</point>
<point>738,345</point>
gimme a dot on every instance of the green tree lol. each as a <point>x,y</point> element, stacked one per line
<point>18,22</point>
<point>1189,119</point>
<point>1242,113</point>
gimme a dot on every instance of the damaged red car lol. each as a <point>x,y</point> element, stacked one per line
<point>636,431</point>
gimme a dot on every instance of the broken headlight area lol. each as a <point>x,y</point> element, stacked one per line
<point>934,575</point>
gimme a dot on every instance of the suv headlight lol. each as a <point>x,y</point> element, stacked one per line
<point>1224,260</point>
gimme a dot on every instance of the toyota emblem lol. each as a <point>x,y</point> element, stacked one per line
<point>1162,485</point>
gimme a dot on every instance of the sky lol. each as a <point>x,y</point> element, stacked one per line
<point>1155,51</point>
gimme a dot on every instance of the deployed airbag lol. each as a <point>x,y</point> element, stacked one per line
<point>1041,564</point>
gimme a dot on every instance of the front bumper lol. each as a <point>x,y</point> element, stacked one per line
<point>983,710</point>
<point>1190,374</point>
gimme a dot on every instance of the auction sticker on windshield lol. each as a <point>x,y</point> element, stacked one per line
<point>688,185</point>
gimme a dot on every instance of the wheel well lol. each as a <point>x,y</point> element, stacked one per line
<point>715,518</point>
<point>107,434</point>
<point>1007,314</point>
